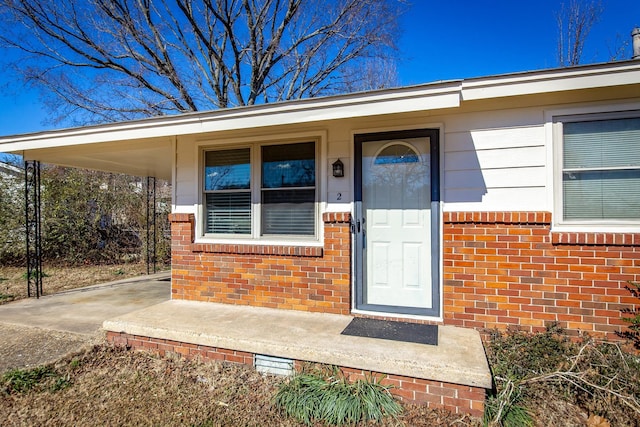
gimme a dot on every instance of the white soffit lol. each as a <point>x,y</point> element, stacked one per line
<point>556,80</point>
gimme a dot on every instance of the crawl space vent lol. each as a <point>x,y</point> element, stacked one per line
<point>273,365</point>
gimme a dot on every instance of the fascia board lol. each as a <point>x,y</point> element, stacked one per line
<point>557,80</point>
<point>416,98</point>
<point>400,102</point>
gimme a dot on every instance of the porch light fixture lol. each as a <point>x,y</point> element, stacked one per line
<point>338,169</point>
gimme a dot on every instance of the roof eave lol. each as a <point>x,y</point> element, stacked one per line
<point>439,95</point>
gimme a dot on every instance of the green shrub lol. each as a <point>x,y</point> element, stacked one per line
<point>311,397</point>
<point>632,317</point>
<point>531,370</point>
<point>502,411</point>
<point>41,377</point>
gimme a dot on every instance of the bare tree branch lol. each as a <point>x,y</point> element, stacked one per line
<point>575,21</point>
<point>103,60</point>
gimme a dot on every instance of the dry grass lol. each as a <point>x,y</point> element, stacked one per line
<point>13,283</point>
<point>110,386</point>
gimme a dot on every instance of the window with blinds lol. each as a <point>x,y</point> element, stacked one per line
<point>286,190</point>
<point>601,170</point>
<point>227,186</point>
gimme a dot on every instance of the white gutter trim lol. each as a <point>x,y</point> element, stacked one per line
<point>574,78</point>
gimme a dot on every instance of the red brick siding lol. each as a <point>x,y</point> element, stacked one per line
<point>294,278</point>
<point>500,269</point>
<point>435,394</point>
<point>189,351</point>
<point>508,269</point>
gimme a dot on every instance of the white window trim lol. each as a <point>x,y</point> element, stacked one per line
<point>553,126</point>
<point>254,143</point>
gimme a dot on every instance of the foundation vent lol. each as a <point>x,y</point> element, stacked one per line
<point>273,365</point>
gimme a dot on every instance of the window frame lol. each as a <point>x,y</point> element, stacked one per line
<point>204,192</point>
<point>557,120</point>
<point>255,146</point>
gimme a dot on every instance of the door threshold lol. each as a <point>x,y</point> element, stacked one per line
<point>398,316</point>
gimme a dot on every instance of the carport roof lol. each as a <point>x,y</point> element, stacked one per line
<point>145,147</point>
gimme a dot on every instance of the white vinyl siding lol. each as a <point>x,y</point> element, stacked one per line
<point>496,168</point>
<point>601,170</point>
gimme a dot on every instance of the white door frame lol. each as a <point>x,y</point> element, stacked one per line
<point>359,224</point>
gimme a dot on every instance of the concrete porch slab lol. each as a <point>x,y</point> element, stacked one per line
<point>458,358</point>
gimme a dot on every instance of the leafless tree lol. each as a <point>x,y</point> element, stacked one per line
<point>106,60</point>
<point>575,21</point>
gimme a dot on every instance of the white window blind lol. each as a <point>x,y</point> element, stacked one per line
<point>228,213</point>
<point>601,170</point>
<point>288,212</point>
<point>286,190</point>
<point>227,184</point>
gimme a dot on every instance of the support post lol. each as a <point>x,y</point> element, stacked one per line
<point>151,225</point>
<point>33,227</point>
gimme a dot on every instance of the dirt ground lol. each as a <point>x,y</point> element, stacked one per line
<point>91,383</point>
<point>26,347</point>
<point>13,283</point>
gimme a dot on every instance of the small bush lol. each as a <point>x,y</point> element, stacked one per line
<point>632,316</point>
<point>505,411</point>
<point>311,397</point>
<point>41,377</point>
<point>533,370</point>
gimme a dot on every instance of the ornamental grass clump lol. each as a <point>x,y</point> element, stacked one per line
<point>333,399</point>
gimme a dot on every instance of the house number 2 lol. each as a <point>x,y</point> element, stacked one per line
<point>339,196</point>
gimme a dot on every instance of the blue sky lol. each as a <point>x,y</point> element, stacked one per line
<point>441,40</point>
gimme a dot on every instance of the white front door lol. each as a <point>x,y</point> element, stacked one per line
<point>396,226</point>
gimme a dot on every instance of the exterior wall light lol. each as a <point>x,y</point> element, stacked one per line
<point>338,169</point>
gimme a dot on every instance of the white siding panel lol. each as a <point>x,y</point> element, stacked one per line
<point>497,178</point>
<point>493,168</point>
<point>495,159</point>
<point>496,119</point>
<point>496,199</point>
<point>494,138</point>
<point>186,176</point>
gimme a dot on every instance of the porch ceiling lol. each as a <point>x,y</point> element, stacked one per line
<point>147,157</point>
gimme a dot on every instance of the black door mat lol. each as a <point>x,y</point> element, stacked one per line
<point>396,331</point>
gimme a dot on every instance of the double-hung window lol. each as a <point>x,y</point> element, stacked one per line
<point>600,167</point>
<point>261,191</point>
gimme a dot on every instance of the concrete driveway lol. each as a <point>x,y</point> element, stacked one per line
<point>35,331</point>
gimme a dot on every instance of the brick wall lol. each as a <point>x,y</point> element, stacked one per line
<point>500,269</point>
<point>459,399</point>
<point>308,278</point>
<point>164,347</point>
<point>508,269</point>
<point>434,394</point>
